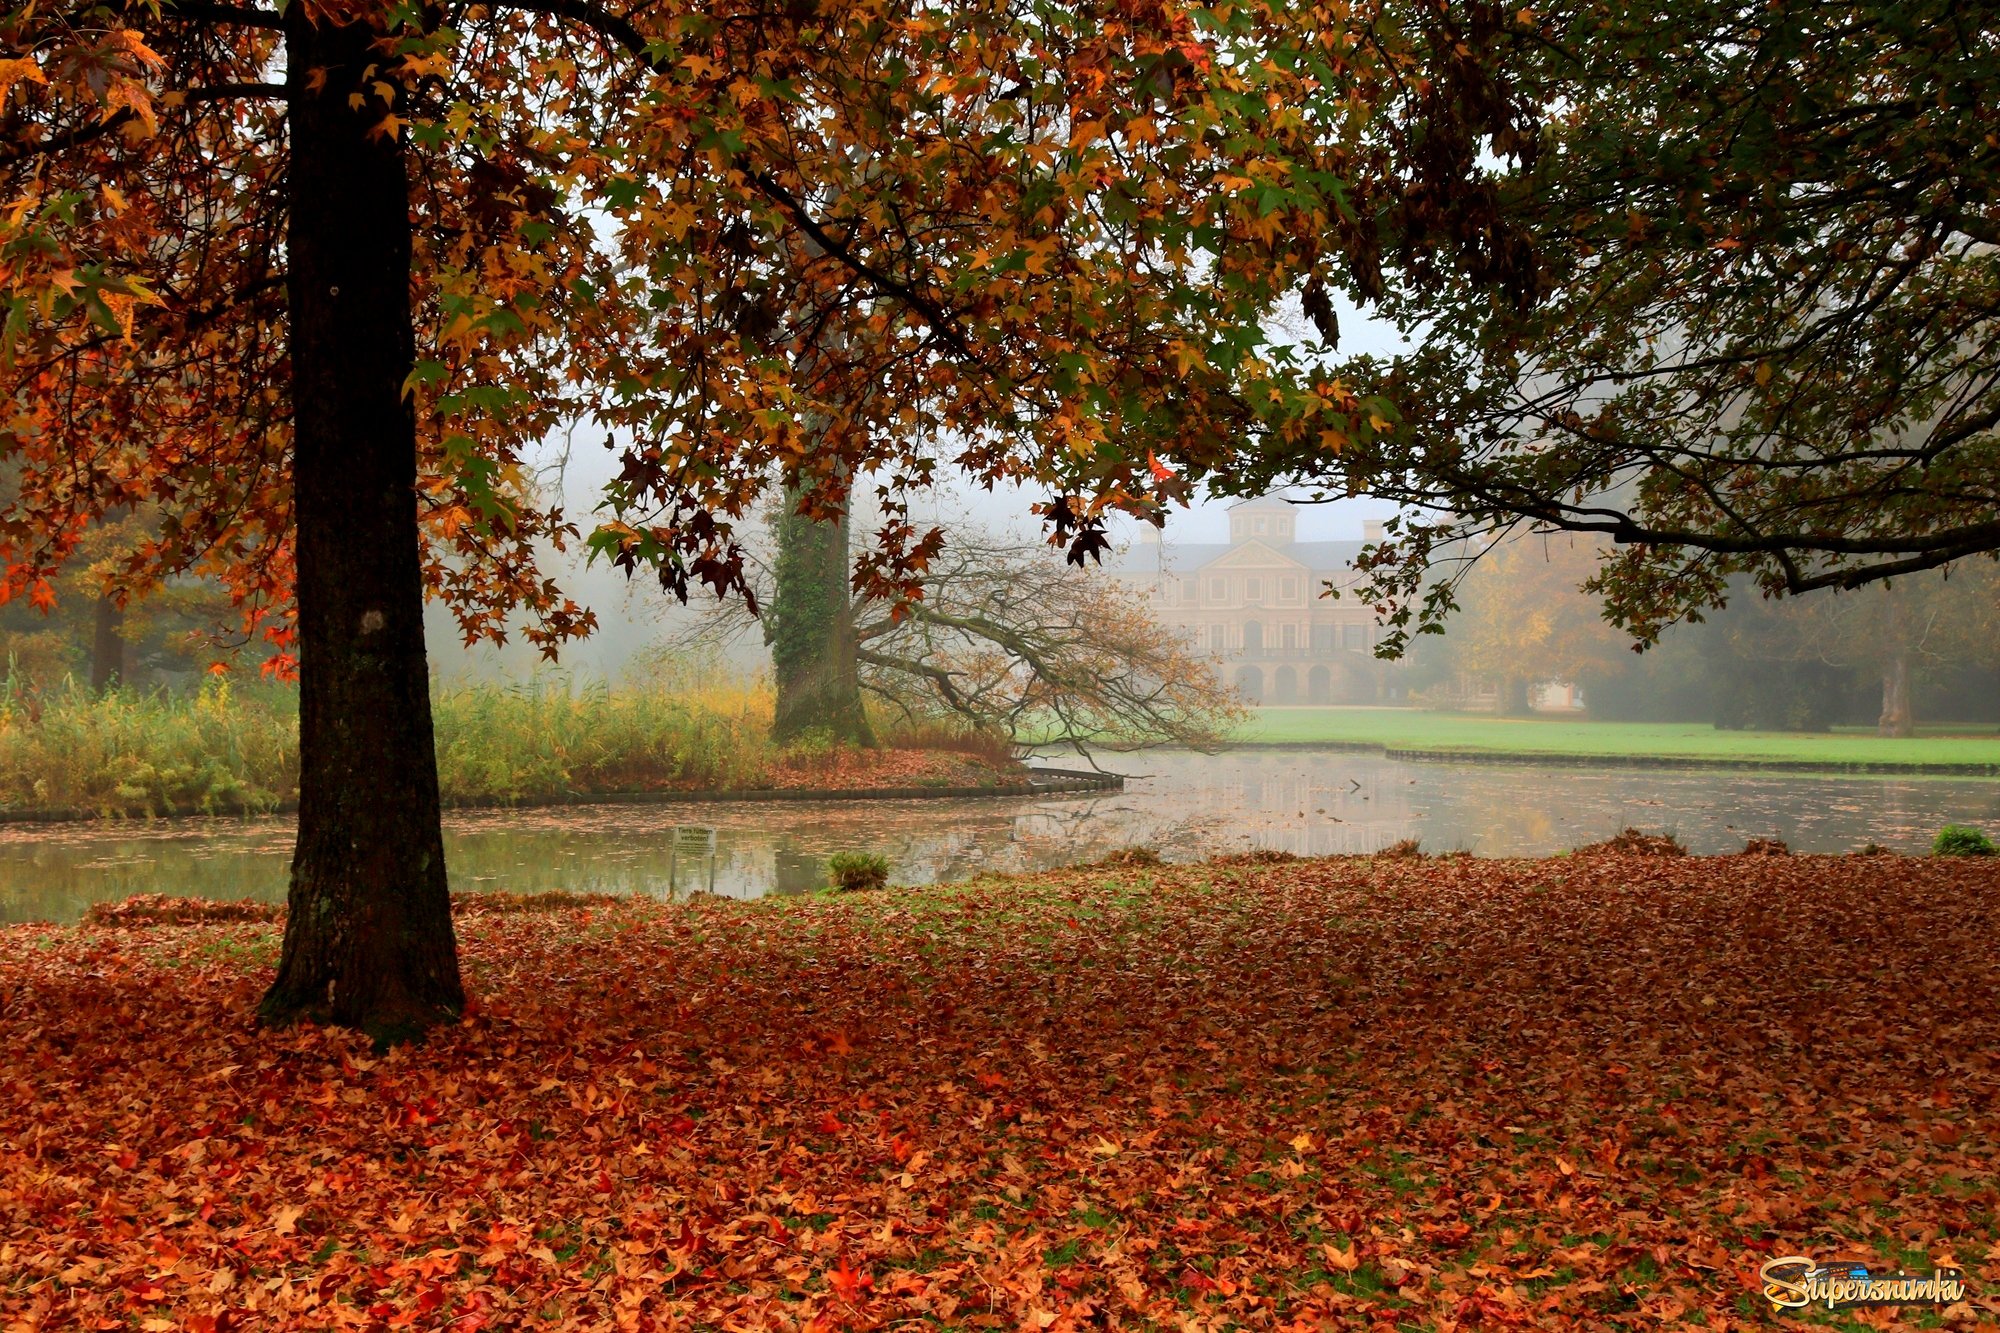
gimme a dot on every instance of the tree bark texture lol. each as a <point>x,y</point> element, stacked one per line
<point>107,646</point>
<point>368,936</point>
<point>1897,718</point>
<point>810,628</point>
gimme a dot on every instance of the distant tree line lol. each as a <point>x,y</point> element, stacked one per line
<point>87,629</point>
<point>1920,648</point>
<point>1894,658</point>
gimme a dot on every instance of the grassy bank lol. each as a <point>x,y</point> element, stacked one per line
<point>1409,729</point>
<point>1587,1093</point>
<point>232,747</point>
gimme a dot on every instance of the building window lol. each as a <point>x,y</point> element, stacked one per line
<point>1357,637</point>
<point>1289,589</point>
<point>1171,592</point>
<point>1259,526</point>
<point>1291,638</point>
<point>1218,638</point>
<point>1215,593</point>
<point>1253,590</point>
<point>1191,589</point>
<point>1324,639</point>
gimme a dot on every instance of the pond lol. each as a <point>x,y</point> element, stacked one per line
<point>1187,806</point>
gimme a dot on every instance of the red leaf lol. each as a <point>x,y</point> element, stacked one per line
<point>847,1283</point>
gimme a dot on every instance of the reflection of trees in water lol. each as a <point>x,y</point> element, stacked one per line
<point>797,872</point>
<point>1185,806</point>
<point>1094,828</point>
<point>1351,806</point>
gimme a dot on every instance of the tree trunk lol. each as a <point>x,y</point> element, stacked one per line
<point>107,645</point>
<point>810,627</point>
<point>1896,719</point>
<point>1514,697</point>
<point>368,937</point>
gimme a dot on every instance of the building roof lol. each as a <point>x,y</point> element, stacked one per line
<point>1272,500</point>
<point>1188,557</point>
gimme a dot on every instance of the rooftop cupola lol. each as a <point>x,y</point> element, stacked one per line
<point>1267,519</point>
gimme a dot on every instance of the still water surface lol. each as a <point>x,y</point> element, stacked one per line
<point>1187,806</point>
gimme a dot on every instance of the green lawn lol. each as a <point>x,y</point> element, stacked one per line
<point>1415,729</point>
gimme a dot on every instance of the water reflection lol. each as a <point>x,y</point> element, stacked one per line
<point>1187,806</point>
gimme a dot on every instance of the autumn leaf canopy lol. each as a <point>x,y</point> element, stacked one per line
<point>813,246</point>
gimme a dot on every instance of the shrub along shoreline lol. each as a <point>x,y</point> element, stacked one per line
<point>66,753</point>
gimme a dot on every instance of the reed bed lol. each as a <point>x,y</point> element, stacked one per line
<point>233,747</point>
<point>64,749</point>
<point>544,740</point>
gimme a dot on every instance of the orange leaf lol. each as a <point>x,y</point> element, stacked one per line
<point>848,1283</point>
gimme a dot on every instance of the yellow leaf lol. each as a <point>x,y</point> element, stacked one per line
<point>285,1219</point>
<point>1345,1261</point>
<point>1104,1148</point>
<point>136,45</point>
<point>19,71</point>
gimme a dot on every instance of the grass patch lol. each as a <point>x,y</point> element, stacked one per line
<point>1483,733</point>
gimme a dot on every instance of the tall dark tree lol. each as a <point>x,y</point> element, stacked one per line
<point>368,939</point>
<point>212,305</point>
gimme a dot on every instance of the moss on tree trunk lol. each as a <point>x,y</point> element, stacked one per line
<point>809,626</point>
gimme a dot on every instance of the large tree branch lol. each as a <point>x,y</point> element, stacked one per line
<point>217,92</point>
<point>622,33</point>
<point>202,11</point>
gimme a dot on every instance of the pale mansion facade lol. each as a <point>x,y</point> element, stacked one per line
<point>1256,604</point>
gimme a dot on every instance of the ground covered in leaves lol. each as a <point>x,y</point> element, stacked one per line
<point>1408,1093</point>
